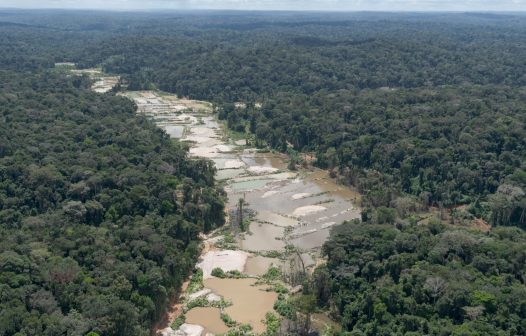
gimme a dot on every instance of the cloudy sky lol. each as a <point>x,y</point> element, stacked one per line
<point>347,5</point>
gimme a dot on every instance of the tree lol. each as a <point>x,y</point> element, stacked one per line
<point>435,286</point>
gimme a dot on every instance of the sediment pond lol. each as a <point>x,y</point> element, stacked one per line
<point>250,302</point>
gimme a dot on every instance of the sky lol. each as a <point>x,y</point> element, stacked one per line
<point>330,5</point>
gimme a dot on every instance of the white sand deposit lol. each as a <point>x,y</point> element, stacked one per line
<point>233,164</point>
<point>270,193</point>
<point>304,233</point>
<point>241,142</point>
<point>170,332</point>
<point>197,138</point>
<point>346,211</point>
<point>262,170</point>
<point>184,330</point>
<point>192,329</point>
<point>300,196</point>
<point>198,294</point>
<point>185,118</point>
<point>203,131</point>
<point>213,297</point>
<point>206,152</point>
<point>178,108</point>
<point>226,260</point>
<point>283,176</point>
<point>308,210</point>
<point>223,148</point>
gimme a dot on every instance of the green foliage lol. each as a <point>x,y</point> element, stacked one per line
<point>385,215</point>
<point>423,280</point>
<point>390,103</point>
<point>93,238</point>
<point>203,302</point>
<point>284,308</point>
<point>280,288</point>
<point>407,124</point>
<point>218,273</point>
<point>229,239</point>
<point>179,321</point>
<point>199,302</point>
<point>485,299</point>
<point>304,303</point>
<point>273,323</point>
<point>272,254</point>
<point>196,281</point>
<point>241,330</point>
<point>100,211</point>
<point>234,274</point>
<point>429,115</point>
<point>272,274</point>
<point>228,242</point>
<point>229,322</point>
<point>294,159</point>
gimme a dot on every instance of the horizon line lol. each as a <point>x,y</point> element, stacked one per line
<point>158,9</point>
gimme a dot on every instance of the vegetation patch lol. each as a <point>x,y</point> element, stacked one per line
<point>196,281</point>
<point>178,322</point>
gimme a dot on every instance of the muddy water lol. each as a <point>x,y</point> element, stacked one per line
<point>296,208</point>
<point>214,323</point>
<point>258,265</point>
<point>263,237</point>
<point>250,303</point>
<point>174,131</point>
<point>264,159</point>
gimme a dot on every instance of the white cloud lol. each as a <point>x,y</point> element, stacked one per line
<point>387,5</point>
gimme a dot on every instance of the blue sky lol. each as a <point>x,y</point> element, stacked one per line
<point>347,5</point>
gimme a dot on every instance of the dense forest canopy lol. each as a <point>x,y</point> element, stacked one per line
<point>430,105</point>
<point>99,211</point>
<point>425,280</point>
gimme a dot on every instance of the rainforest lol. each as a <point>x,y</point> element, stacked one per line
<point>413,122</point>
